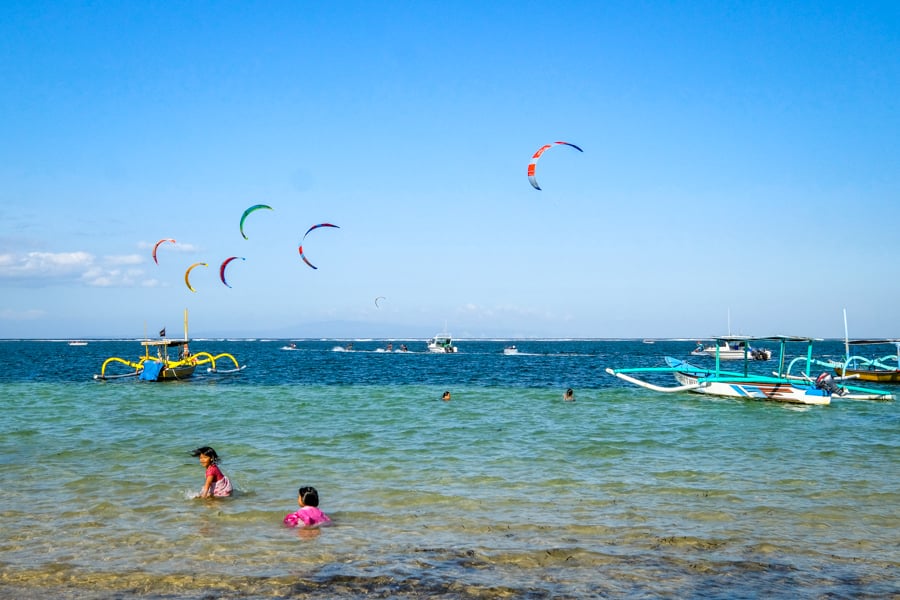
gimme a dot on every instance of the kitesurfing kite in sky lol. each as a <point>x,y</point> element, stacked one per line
<point>187,274</point>
<point>253,208</point>
<point>157,246</point>
<point>537,155</point>
<point>377,299</point>
<point>304,239</point>
<point>225,264</point>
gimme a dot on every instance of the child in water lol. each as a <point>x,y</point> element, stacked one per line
<point>216,483</point>
<point>309,514</point>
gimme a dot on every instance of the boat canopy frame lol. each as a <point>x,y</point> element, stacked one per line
<point>855,362</point>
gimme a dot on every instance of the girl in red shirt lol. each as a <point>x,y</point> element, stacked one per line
<point>216,483</point>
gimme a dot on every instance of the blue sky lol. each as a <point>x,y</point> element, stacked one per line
<point>738,158</point>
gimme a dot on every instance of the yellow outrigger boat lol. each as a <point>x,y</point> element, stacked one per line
<point>160,366</point>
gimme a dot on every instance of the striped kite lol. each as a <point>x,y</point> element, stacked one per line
<point>537,155</point>
<point>304,239</point>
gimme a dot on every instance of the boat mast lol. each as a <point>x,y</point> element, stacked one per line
<point>185,325</point>
<point>846,341</point>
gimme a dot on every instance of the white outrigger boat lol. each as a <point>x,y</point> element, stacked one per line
<point>442,343</point>
<point>161,366</point>
<point>781,386</point>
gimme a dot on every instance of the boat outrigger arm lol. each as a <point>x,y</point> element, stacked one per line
<point>621,374</point>
<point>889,362</point>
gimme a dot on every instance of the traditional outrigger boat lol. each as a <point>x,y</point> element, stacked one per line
<point>160,366</point>
<point>885,369</point>
<point>781,386</point>
<point>880,370</point>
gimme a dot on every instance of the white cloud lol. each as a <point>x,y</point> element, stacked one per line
<point>124,259</point>
<point>43,268</point>
<point>44,264</point>
<point>8,314</point>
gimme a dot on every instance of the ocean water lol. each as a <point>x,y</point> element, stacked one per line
<point>503,492</point>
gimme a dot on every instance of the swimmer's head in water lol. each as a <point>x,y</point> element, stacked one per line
<point>309,496</point>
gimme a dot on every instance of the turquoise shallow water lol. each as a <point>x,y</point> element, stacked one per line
<point>505,491</point>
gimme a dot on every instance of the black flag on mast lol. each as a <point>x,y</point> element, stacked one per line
<point>162,332</point>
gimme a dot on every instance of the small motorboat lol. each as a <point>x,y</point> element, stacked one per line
<point>442,343</point>
<point>732,348</point>
<point>510,350</point>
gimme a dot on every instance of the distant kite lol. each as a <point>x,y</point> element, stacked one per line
<point>377,299</point>
<point>304,239</point>
<point>187,274</point>
<point>255,207</point>
<point>537,155</point>
<point>157,246</point>
<point>225,264</point>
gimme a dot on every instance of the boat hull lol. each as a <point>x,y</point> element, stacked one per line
<point>777,391</point>
<point>442,349</point>
<point>176,373</point>
<point>877,375</point>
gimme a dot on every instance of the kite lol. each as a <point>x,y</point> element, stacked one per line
<point>157,246</point>
<point>225,264</point>
<point>187,274</point>
<point>377,299</point>
<point>537,155</point>
<point>304,239</point>
<point>250,210</point>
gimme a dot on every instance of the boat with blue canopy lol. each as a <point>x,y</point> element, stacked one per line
<point>783,385</point>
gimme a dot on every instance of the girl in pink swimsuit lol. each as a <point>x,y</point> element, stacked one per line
<point>309,514</point>
<point>216,483</point>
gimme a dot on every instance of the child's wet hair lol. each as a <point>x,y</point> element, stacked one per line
<point>206,451</point>
<point>309,496</point>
